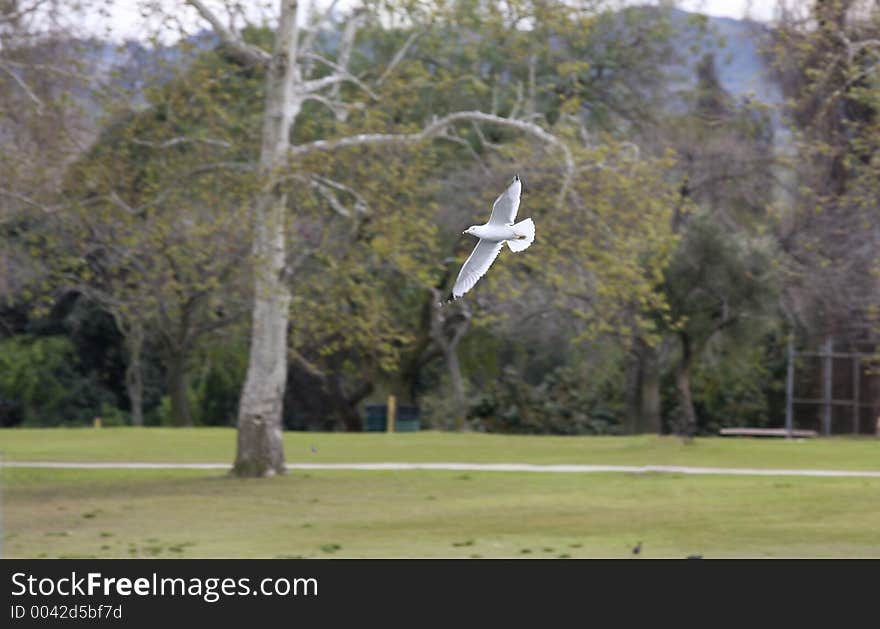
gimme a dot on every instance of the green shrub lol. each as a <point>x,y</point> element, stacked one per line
<point>735,388</point>
<point>41,386</point>
<point>219,392</point>
<point>567,402</point>
<point>113,416</point>
<point>732,386</point>
<point>438,410</point>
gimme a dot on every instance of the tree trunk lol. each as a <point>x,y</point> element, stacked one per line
<point>134,386</point>
<point>632,392</point>
<point>457,385</point>
<point>178,389</point>
<point>448,326</point>
<point>643,390</point>
<point>424,348</point>
<point>683,386</point>
<point>650,392</point>
<point>134,380</point>
<point>260,448</point>
<point>348,406</point>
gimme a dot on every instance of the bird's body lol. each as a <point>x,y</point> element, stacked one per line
<point>494,233</point>
<point>498,230</point>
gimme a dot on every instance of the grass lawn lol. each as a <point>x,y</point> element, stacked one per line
<point>147,513</point>
<point>339,513</point>
<point>218,445</point>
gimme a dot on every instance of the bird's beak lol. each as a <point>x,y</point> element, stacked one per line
<point>464,232</point>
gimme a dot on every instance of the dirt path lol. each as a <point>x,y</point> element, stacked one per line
<point>466,467</point>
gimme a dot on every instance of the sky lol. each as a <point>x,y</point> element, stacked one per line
<point>760,10</point>
<point>122,19</point>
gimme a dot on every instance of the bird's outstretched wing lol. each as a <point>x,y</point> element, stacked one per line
<point>475,267</point>
<point>505,207</point>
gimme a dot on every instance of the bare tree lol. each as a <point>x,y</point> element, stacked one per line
<point>827,61</point>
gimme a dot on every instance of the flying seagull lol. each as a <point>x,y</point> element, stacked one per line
<point>493,235</point>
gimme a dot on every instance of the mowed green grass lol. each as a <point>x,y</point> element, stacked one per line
<point>385,514</point>
<point>218,445</point>
<point>322,514</point>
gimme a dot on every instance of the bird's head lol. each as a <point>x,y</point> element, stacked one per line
<point>469,230</point>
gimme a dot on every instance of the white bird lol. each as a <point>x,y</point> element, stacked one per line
<point>493,235</point>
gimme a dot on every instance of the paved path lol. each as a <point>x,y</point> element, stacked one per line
<point>467,467</point>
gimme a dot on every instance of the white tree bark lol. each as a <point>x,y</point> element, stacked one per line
<point>260,449</point>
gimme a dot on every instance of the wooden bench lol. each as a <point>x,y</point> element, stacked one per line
<point>767,432</point>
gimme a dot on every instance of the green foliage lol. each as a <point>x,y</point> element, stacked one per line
<point>40,385</point>
<point>163,414</point>
<point>582,60</point>
<point>566,402</point>
<point>482,354</point>
<point>719,281</point>
<point>156,224</point>
<point>112,416</point>
<point>605,247</point>
<point>739,386</point>
<point>219,385</point>
<point>438,409</point>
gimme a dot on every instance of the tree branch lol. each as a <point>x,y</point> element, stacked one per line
<point>308,366</point>
<point>349,34</point>
<point>48,209</point>
<point>24,86</point>
<point>398,57</point>
<point>246,53</point>
<point>483,140</point>
<point>330,198</point>
<point>437,127</point>
<point>340,76</point>
<point>360,205</point>
<point>339,108</point>
<point>180,140</point>
<point>312,34</point>
<point>183,178</point>
<point>467,146</point>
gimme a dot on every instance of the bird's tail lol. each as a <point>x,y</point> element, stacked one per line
<point>525,231</point>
